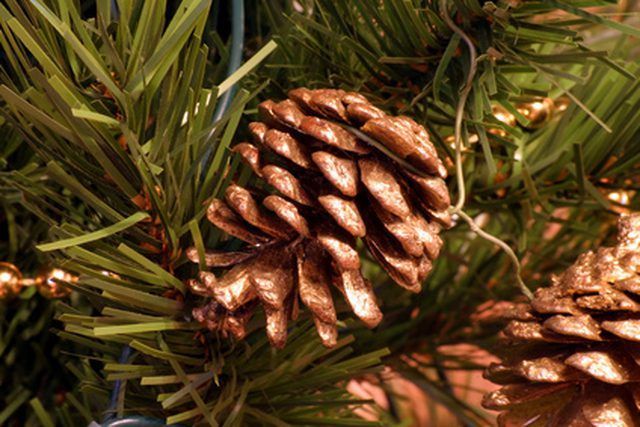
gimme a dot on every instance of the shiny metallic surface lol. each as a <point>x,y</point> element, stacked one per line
<point>220,215</point>
<point>359,294</point>
<point>345,213</point>
<point>288,147</point>
<point>585,330</point>
<point>382,183</point>
<point>342,173</point>
<point>334,187</point>
<point>287,184</point>
<point>314,277</point>
<point>251,156</point>
<point>288,212</point>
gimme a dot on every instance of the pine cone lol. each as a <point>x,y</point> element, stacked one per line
<point>332,188</point>
<point>573,354</point>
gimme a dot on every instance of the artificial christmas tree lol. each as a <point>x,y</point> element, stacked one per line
<point>132,127</point>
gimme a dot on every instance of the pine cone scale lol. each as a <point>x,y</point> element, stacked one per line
<point>234,289</point>
<point>258,131</point>
<point>288,147</point>
<point>251,156</point>
<point>613,412</point>
<point>627,329</point>
<point>433,190</point>
<point>289,213</point>
<point>327,331</point>
<point>360,112</point>
<point>313,280</point>
<point>405,232</point>
<point>345,213</point>
<point>516,394</point>
<point>218,258</point>
<point>287,184</point>
<point>220,215</point>
<point>547,370</point>
<point>333,135</point>
<point>339,247</point>
<point>341,172</point>
<point>605,366</point>
<point>276,326</point>
<point>360,296</point>
<point>428,235</point>
<point>583,326</point>
<point>329,103</point>
<point>243,203</point>
<point>404,272</point>
<point>288,113</point>
<point>383,186</point>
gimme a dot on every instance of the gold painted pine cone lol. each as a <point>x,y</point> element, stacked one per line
<point>573,354</point>
<point>331,188</point>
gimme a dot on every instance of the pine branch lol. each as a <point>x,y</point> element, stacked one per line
<point>542,190</point>
<point>121,114</point>
<point>31,356</point>
<point>523,54</point>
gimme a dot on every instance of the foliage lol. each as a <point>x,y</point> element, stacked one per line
<point>525,52</point>
<point>541,189</point>
<point>31,355</point>
<point>119,111</point>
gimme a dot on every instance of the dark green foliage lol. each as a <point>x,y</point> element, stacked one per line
<point>542,191</point>
<point>32,357</point>
<point>119,113</point>
<point>525,51</point>
<point>408,60</point>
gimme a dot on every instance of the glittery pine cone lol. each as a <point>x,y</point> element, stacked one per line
<point>573,354</point>
<point>342,170</point>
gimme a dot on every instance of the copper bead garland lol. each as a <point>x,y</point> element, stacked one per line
<point>47,282</point>
<point>572,356</point>
<point>342,170</point>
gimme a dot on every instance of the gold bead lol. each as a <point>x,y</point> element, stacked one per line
<point>621,200</point>
<point>49,284</point>
<point>538,112</point>
<point>562,103</point>
<point>503,115</point>
<point>110,274</point>
<point>10,281</point>
<point>451,141</point>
